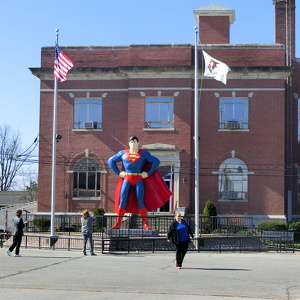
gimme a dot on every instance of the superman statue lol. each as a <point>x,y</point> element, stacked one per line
<point>139,170</point>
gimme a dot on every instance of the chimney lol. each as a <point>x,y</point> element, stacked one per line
<point>214,23</point>
<point>285,25</point>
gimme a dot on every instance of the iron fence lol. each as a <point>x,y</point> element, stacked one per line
<point>216,234</point>
<point>71,224</point>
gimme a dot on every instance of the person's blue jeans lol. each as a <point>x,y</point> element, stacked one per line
<point>86,237</point>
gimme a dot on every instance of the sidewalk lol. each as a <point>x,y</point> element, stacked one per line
<point>53,274</point>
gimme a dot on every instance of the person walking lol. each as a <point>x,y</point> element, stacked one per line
<point>17,231</point>
<point>87,231</point>
<point>179,234</point>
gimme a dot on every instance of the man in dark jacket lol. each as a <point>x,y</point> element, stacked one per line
<point>17,232</point>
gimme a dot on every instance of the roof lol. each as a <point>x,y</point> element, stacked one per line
<point>215,9</point>
<point>11,197</point>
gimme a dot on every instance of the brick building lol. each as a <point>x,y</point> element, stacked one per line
<point>248,147</point>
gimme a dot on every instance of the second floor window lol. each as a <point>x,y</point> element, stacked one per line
<point>159,112</point>
<point>88,113</point>
<point>233,113</point>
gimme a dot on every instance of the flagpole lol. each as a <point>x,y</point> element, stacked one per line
<point>196,139</point>
<point>53,181</point>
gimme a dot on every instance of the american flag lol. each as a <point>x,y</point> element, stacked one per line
<point>62,64</point>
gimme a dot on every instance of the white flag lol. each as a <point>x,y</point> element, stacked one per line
<point>215,68</point>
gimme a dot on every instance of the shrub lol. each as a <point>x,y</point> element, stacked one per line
<point>209,209</point>
<point>205,225</point>
<point>99,211</point>
<point>100,222</point>
<point>272,226</point>
<point>244,232</point>
<point>43,224</point>
<point>204,231</point>
<point>295,226</point>
<point>223,231</point>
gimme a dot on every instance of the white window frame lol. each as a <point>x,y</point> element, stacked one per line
<point>233,180</point>
<point>233,113</point>
<point>88,168</point>
<point>159,112</point>
<point>87,113</point>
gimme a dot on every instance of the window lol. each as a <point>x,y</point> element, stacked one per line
<point>233,113</point>
<point>159,112</point>
<point>88,113</point>
<point>87,178</point>
<point>233,180</point>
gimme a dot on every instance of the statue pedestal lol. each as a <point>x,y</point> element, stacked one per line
<point>129,239</point>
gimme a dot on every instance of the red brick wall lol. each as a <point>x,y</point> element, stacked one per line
<point>285,15</point>
<point>123,116</point>
<point>266,132</point>
<point>262,148</point>
<point>93,57</point>
<point>214,29</point>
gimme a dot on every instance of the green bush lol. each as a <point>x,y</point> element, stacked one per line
<point>203,231</point>
<point>244,232</point>
<point>43,224</point>
<point>206,225</point>
<point>99,211</point>
<point>100,222</point>
<point>209,210</point>
<point>272,226</point>
<point>295,226</point>
<point>224,231</point>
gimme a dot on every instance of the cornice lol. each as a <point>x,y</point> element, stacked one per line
<point>135,72</point>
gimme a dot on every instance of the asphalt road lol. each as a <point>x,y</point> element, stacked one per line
<point>48,274</point>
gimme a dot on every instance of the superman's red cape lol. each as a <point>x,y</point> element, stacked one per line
<point>157,194</point>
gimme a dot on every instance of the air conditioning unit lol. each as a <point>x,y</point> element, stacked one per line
<point>90,125</point>
<point>233,195</point>
<point>232,125</point>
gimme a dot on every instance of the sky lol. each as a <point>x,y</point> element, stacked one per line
<point>27,26</point>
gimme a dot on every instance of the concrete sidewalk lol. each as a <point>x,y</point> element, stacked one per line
<point>53,274</point>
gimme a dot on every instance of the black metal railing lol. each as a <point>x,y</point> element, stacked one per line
<point>71,224</point>
<point>216,234</point>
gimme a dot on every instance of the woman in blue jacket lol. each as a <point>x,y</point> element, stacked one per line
<point>179,234</point>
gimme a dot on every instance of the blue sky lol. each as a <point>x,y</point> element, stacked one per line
<point>26,26</point>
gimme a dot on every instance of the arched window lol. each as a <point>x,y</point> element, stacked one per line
<point>87,178</point>
<point>233,180</point>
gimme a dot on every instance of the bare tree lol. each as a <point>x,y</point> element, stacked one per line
<point>31,192</point>
<point>11,156</point>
